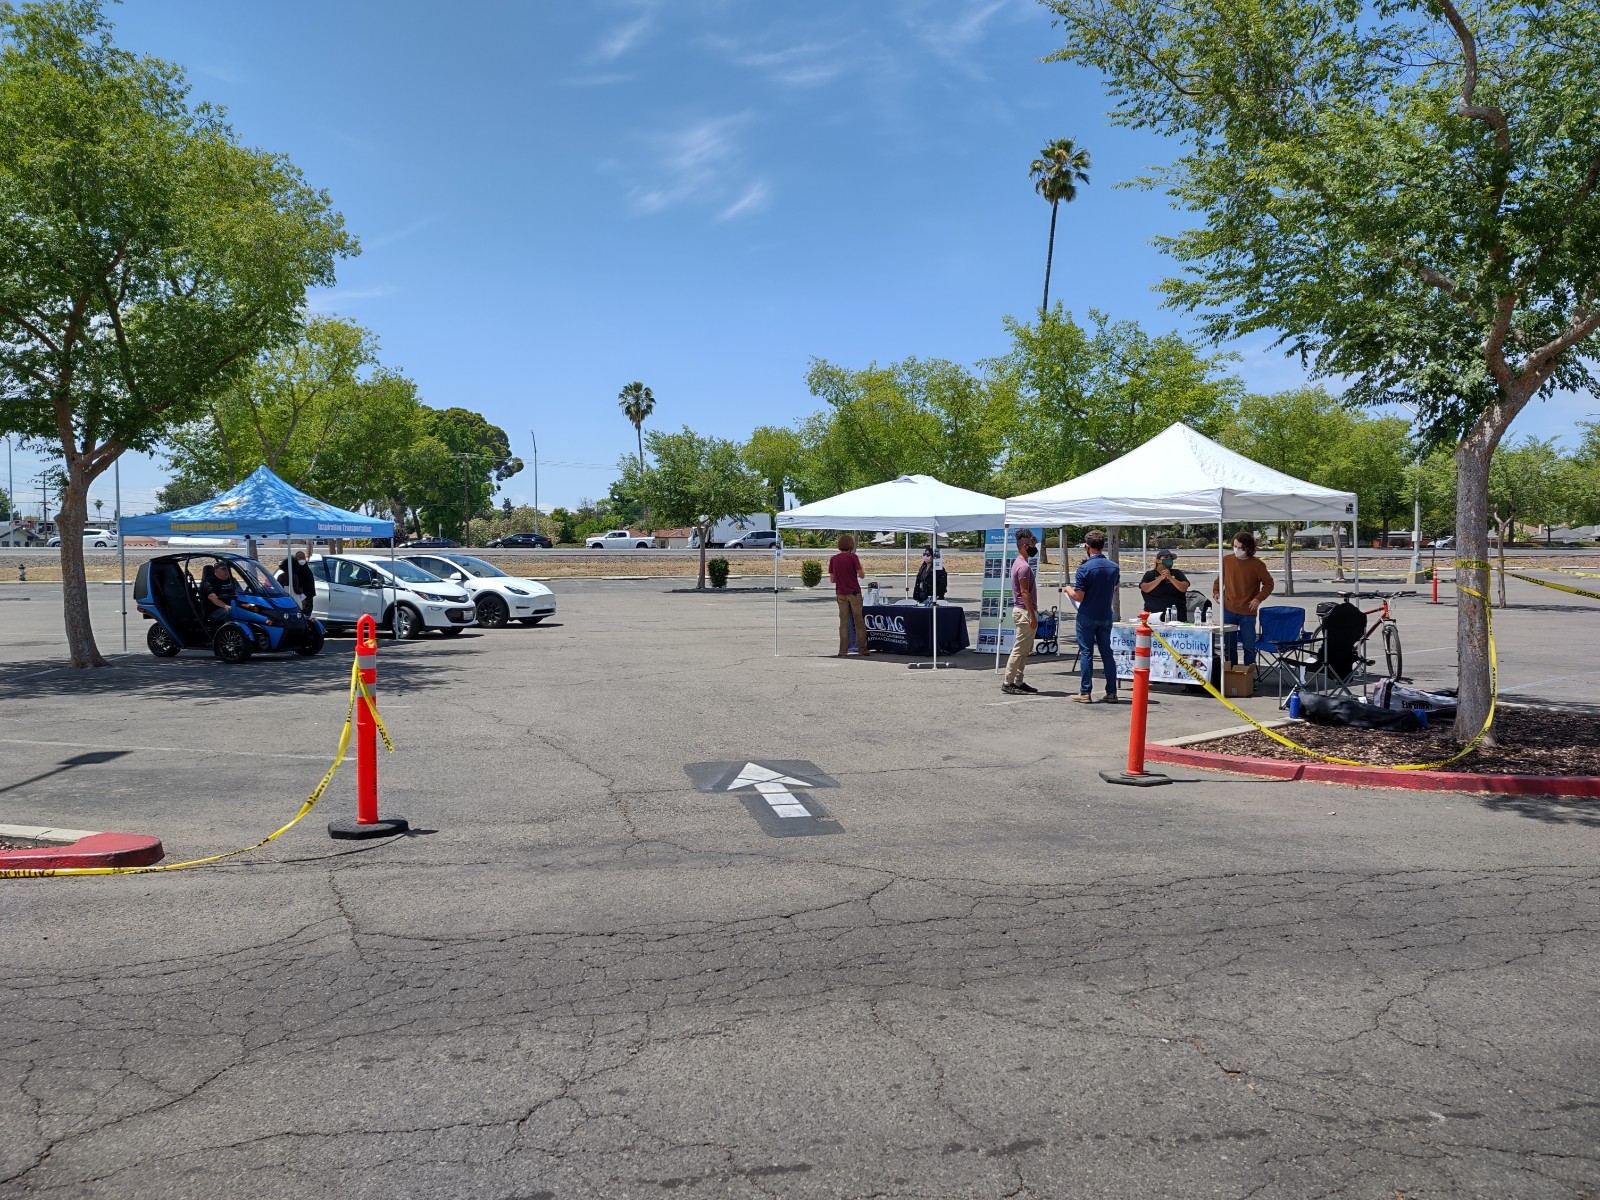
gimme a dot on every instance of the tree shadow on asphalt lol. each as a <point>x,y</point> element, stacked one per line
<point>197,675</point>
<point>1552,810</point>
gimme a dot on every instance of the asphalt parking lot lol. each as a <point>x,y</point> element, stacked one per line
<point>988,974</point>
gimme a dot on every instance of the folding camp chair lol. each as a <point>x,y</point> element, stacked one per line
<point>1282,630</point>
<point>1329,660</point>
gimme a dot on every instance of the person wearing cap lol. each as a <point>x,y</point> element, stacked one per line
<point>1164,587</point>
<point>929,582</point>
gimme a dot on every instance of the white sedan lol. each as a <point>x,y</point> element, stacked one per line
<point>499,597</point>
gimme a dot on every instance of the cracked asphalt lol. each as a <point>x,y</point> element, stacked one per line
<point>580,977</point>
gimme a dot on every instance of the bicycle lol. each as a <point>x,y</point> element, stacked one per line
<point>1385,621</point>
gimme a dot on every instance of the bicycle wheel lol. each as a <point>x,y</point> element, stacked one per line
<point>1391,649</point>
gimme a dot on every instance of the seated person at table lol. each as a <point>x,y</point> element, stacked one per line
<point>1164,587</point>
<point>925,584</point>
<point>217,591</point>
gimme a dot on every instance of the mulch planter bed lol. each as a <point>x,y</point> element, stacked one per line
<point>1531,742</point>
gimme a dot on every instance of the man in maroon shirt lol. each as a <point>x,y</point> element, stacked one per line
<point>846,571</point>
<point>1025,612</point>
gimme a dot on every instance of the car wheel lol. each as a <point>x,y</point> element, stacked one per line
<point>454,631</point>
<point>99,545</point>
<point>492,611</point>
<point>407,623</point>
<point>162,644</point>
<point>530,620</point>
<point>232,645</point>
<point>312,645</point>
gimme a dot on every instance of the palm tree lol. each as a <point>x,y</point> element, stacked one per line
<point>637,403</point>
<point>1056,174</point>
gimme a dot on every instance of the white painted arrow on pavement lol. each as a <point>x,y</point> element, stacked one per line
<point>774,787</point>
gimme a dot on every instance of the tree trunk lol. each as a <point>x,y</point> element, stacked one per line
<point>1288,559</point>
<point>1114,553</point>
<point>70,520</point>
<point>1049,259</point>
<point>1472,614</point>
<point>705,536</point>
<point>644,509</point>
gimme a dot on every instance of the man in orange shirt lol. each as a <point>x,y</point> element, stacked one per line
<point>1246,584</point>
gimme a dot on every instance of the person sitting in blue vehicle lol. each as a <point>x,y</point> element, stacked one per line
<point>217,591</point>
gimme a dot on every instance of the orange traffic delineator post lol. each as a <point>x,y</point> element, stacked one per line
<point>1436,587</point>
<point>367,823</point>
<point>1136,775</point>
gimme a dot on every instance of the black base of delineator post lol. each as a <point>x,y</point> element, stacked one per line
<point>384,827</point>
<point>1146,780</point>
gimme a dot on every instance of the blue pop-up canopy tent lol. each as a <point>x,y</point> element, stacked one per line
<point>261,506</point>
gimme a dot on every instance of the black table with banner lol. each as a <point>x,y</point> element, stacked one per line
<point>907,628</point>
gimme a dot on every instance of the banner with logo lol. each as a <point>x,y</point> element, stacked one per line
<point>1193,642</point>
<point>997,631</point>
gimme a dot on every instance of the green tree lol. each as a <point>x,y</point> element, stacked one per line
<point>144,255</point>
<point>1525,484</point>
<point>182,493</point>
<point>1056,174</point>
<point>777,454</point>
<point>1586,475</point>
<point>1406,192</point>
<point>451,472</point>
<point>698,481</point>
<point>637,403</point>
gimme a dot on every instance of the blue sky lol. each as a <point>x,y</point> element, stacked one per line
<point>557,198</point>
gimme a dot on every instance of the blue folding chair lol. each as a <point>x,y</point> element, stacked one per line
<point>1282,630</point>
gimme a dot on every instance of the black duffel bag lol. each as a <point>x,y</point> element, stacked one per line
<point>1357,714</point>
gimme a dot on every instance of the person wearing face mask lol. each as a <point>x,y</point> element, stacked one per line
<point>927,585</point>
<point>1025,612</point>
<point>1094,587</point>
<point>1164,587</point>
<point>1246,584</point>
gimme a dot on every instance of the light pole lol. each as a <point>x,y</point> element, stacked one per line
<point>535,438</point>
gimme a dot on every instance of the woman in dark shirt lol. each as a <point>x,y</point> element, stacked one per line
<point>1164,587</point>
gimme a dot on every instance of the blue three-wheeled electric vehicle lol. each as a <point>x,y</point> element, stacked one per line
<point>263,618</point>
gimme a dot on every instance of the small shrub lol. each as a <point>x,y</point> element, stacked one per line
<point>811,572</point>
<point>717,568</point>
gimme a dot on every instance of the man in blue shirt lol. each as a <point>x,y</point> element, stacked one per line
<point>1093,590</point>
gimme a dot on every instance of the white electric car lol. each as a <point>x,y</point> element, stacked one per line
<point>499,597</point>
<point>400,595</point>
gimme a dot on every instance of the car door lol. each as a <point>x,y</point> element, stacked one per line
<point>320,603</point>
<point>356,597</point>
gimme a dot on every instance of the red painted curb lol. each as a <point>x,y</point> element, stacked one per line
<point>96,850</point>
<point>1385,777</point>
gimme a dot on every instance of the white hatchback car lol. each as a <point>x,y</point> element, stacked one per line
<point>499,597</point>
<point>398,594</point>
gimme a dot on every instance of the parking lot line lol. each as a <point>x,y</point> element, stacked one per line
<point>160,749</point>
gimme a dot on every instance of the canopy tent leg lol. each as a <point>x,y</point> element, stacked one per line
<point>1222,619</point>
<point>1144,547</point>
<point>905,582</point>
<point>775,602</point>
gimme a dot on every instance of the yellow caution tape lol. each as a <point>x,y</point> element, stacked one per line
<point>310,803</point>
<point>1572,571</point>
<point>1560,587</point>
<point>1488,722</point>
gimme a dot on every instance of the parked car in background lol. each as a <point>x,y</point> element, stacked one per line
<point>433,543</point>
<point>93,539</point>
<point>726,530</point>
<point>531,541</point>
<point>756,539</point>
<point>498,597</point>
<point>621,539</point>
<point>399,595</point>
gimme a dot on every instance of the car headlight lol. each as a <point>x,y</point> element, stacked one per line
<point>432,596</point>
<point>517,591</point>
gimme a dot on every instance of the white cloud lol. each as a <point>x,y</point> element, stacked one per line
<point>698,164</point>
<point>956,38</point>
<point>623,38</point>
<point>753,200</point>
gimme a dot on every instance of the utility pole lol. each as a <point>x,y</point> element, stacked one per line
<point>535,438</point>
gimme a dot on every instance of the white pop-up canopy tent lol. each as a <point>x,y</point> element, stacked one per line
<point>1180,476</point>
<point>909,504</point>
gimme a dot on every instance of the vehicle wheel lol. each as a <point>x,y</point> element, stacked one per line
<point>454,631</point>
<point>1391,650</point>
<point>232,645</point>
<point>407,623</point>
<point>492,611</point>
<point>530,620</point>
<point>162,644</point>
<point>312,645</point>
<point>641,545</point>
<point>99,545</point>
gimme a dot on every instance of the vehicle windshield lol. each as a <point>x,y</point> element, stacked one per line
<point>404,571</point>
<point>476,566</point>
<point>254,577</point>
